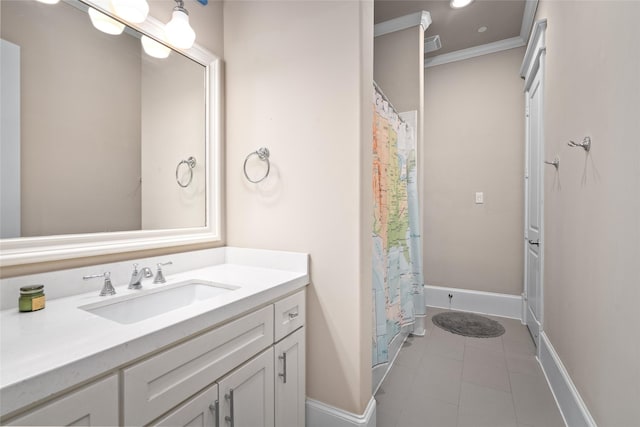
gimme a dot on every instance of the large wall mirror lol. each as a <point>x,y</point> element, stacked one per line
<point>105,148</point>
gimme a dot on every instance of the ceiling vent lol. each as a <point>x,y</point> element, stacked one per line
<point>432,44</point>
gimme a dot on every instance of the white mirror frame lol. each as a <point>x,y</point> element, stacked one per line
<point>27,250</point>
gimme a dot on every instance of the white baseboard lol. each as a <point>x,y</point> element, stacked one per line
<point>491,303</point>
<point>572,407</point>
<point>322,415</point>
<point>379,372</point>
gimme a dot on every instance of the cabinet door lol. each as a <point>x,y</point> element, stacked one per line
<point>200,411</point>
<point>290,380</point>
<point>246,394</point>
<point>93,405</point>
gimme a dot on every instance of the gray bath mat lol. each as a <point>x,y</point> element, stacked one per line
<point>468,324</point>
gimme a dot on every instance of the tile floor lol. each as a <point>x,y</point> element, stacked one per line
<point>447,380</point>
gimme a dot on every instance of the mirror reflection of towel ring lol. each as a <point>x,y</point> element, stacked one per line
<point>191,163</point>
<point>263,154</point>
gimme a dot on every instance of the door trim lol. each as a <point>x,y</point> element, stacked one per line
<point>534,63</point>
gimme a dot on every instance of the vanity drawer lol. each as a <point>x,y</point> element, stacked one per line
<point>166,379</point>
<point>289,314</point>
<point>92,405</point>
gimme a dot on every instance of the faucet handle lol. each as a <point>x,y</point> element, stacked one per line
<point>107,288</point>
<point>134,282</point>
<point>159,274</point>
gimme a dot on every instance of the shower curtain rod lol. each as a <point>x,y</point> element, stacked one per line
<point>386,98</point>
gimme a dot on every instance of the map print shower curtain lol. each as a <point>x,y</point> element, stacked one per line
<point>397,259</point>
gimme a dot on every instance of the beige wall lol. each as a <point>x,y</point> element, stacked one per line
<point>474,141</point>
<point>398,67</point>
<point>68,150</point>
<point>307,97</point>
<point>592,206</point>
<point>172,130</point>
<point>208,24</point>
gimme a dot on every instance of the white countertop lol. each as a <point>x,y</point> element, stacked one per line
<point>47,351</point>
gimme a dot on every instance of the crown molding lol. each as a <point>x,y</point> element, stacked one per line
<point>527,22</point>
<point>422,18</point>
<point>528,16</point>
<point>472,52</point>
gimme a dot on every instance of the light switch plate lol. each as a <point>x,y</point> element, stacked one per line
<point>479,197</point>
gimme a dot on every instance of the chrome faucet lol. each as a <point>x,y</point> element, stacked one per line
<point>160,274</point>
<point>138,275</point>
<point>107,288</point>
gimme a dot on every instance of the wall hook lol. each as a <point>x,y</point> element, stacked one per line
<point>586,144</point>
<point>555,163</point>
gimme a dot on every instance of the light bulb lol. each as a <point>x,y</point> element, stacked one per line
<point>154,48</point>
<point>457,4</point>
<point>178,32</point>
<point>135,11</point>
<point>105,23</point>
<point>49,1</point>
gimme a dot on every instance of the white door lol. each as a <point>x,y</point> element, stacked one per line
<point>246,394</point>
<point>533,209</point>
<point>290,380</point>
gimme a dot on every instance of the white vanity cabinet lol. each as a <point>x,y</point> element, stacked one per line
<point>289,350</point>
<point>248,372</point>
<point>240,365</point>
<point>246,394</point>
<point>159,383</point>
<point>290,380</point>
<point>92,405</point>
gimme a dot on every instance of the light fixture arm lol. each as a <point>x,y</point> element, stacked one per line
<point>180,7</point>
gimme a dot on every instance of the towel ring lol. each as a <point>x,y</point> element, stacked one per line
<point>263,154</point>
<point>191,162</point>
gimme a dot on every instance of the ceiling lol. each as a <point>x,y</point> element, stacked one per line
<point>458,28</point>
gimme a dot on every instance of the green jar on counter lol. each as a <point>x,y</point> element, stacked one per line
<point>31,298</point>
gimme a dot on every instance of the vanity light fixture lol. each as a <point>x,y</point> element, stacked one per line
<point>135,11</point>
<point>105,23</point>
<point>154,48</point>
<point>178,32</point>
<point>458,4</point>
<point>49,1</point>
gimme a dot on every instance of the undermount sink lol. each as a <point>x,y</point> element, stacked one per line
<point>146,304</point>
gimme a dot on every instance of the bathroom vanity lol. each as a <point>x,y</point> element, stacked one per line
<point>222,344</point>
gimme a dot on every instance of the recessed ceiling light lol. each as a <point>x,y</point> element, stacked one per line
<point>457,4</point>
<point>482,29</point>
